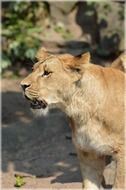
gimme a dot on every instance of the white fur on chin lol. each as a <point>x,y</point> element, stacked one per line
<point>40,112</point>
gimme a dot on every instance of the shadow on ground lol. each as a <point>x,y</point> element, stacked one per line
<point>36,146</point>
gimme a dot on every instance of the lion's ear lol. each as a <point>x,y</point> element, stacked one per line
<point>75,63</point>
<point>42,54</point>
<point>83,58</point>
<point>78,62</point>
<point>86,57</point>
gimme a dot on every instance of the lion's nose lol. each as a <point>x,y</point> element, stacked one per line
<point>24,86</point>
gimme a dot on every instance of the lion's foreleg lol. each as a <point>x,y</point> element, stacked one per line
<point>92,167</point>
<point>120,171</point>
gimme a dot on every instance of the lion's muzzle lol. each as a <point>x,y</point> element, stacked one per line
<point>38,104</point>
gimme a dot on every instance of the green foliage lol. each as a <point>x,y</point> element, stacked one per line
<point>5,62</point>
<point>19,181</point>
<point>24,23</point>
<point>19,26</point>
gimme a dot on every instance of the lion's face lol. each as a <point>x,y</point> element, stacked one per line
<point>52,80</point>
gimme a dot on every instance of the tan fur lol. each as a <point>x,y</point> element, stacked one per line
<point>120,62</point>
<point>93,98</point>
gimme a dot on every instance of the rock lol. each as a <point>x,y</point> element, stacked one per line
<point>60,10</point>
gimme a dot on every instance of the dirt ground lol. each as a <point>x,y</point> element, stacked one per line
<point>35,146</point>
<point>40,149</point>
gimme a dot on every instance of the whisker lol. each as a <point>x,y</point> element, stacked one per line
<point>33,95</point>
<point>33,91</point>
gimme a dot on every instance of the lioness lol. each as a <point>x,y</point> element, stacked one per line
<point>93,98</point>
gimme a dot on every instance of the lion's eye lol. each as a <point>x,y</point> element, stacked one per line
<point>46,73</point>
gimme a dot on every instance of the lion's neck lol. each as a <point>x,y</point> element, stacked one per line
<point>85,102</point>
<point>76,107</point>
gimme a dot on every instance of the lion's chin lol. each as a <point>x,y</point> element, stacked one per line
<point>40,112</point>
<point>44,111</point>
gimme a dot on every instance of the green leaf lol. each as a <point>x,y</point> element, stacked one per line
<point>30,53</point>
<point>5,62</point>
<point>19,181</point>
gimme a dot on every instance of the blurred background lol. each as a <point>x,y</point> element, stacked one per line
<point>42,146</point>
<point>73,27</point>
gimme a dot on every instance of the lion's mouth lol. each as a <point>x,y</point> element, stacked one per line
<point>37,104</point>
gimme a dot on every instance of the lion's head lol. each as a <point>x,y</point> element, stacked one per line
<point>53,80</point>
